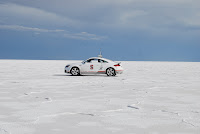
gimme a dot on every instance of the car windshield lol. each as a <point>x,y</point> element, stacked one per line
<point>83,62</point>
<point>87,61</point>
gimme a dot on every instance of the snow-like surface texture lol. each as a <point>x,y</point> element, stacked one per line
<point>36,97</point>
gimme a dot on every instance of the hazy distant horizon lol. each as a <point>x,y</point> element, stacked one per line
<point>104,57</point>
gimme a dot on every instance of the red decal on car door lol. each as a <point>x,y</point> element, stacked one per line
<point>91,67</point>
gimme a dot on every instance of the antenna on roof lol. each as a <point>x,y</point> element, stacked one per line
<point>100,55</point>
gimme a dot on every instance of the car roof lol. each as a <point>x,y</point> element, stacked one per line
<point>101,59</point>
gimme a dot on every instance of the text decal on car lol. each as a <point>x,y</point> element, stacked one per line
<point>91,67</point>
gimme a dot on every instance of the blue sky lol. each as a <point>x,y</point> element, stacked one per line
<point>139,30</point>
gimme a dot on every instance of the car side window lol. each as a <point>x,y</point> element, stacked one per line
<point>95,61</point>
<point>92,61</point>
<point>102,61</point>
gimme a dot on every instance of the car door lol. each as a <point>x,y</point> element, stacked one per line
<point>91,66</point>
<point>104,65</point>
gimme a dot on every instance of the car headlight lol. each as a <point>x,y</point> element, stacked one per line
<point>67,66</point>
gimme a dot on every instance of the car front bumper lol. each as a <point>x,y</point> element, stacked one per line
<point>67,70</point>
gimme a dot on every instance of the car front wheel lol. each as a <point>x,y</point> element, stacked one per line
<point>110,72</point>
<point>75,71</point>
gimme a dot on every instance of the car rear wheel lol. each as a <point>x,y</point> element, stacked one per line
<point>75,71</point>
<point>110,72</point>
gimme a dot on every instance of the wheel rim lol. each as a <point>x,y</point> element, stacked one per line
<point>110,72</point>
<point>75,71</point>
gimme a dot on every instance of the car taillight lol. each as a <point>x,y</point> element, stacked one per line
<point>117,65</point>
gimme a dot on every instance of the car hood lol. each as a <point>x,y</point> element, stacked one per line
<point>75,64</point>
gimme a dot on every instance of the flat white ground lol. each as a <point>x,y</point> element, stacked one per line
<point>37,97</point>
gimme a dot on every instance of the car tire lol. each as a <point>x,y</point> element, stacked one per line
<point>75,71</point>
<point>110,71</point>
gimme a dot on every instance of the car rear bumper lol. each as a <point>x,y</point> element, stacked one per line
<point>119,71</point>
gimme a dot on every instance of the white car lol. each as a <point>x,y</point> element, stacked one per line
<point>95,65</point>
